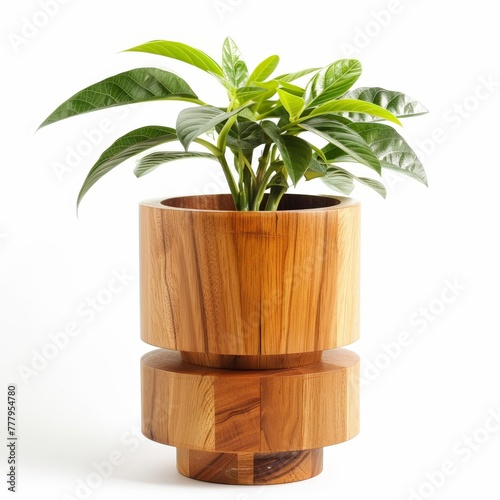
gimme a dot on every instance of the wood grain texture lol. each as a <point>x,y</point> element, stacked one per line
<point>250,468</point>
<point>278,410</point>
<point>255,362</point>
<point>218,281</point>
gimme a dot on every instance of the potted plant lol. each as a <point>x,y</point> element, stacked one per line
<point>258,289</point>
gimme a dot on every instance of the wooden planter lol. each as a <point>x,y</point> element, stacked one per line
<point>251,300</point>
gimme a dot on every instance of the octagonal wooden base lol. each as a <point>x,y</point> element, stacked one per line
<point>250,426</point>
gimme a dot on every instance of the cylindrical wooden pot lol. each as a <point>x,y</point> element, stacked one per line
<point>250,299</point>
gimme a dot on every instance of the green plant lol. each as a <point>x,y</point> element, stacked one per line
<point>262,126</point>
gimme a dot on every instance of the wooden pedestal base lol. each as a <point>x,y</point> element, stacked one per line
<point>250,468</point>
<point>250,426</point>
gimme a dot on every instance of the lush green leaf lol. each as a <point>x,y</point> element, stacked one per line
<point>271,109</point>
<point>245,94</point>
<point>233,65</point>
<point>290,77</point>
<point>264,70</point>
<point>181,52</point>
<point>344,142</point>
<point>332,117</point>
<point>391,149</point>
<point>317,168</point>
<point>374,184</point>
<point>126,147</point>
<point>247,113</point>
<point>246,136</point>
<point>270,85</point>
<point>354,106</point>
<point>292,89</point>
<point>397,103</point>
<point>336,179</point>
<point>130,87</point>
<point>292,103</point>
<point>192,122</point>
<point>332,82</point>
<point>273,85</point>
<point>295,152</point>
<point>339,180</point>
<point>150,162</point>
<point>278,180</point>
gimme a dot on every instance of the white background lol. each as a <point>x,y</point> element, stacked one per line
<point>425,406</point>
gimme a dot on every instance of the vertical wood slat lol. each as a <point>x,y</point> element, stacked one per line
<point>237,413</point>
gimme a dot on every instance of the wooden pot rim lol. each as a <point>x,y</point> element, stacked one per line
<point>223,203</point>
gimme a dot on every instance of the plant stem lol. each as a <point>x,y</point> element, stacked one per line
<point>273,202</point>
<point>266,114</point>
<point>221,142</point>
<point>291,125</point>
<point>263,161</point>
<point>274,198</point>
<point>230,180</point>
<point>225,167</point>
<point>319,152</point>
<point>274,150</point>
<point>213,149</point>
<point>263,185</point>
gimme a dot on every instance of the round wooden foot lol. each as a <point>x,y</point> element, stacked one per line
<point>250,468</point>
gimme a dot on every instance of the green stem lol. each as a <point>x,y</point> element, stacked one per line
<point>221,142</point>
<point>245,165</point>
<point>247,189</point>
<point>293,124</point>
<point>319,152</point>
<point>266,114</point>
<point>230,180</point>
<point>263,185</point>
<point>274,198</point>
<point>213,149</point>
<point>263,162</point>
<point>274,151</point>
<point>249,167</point>
<point>225,167</point>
